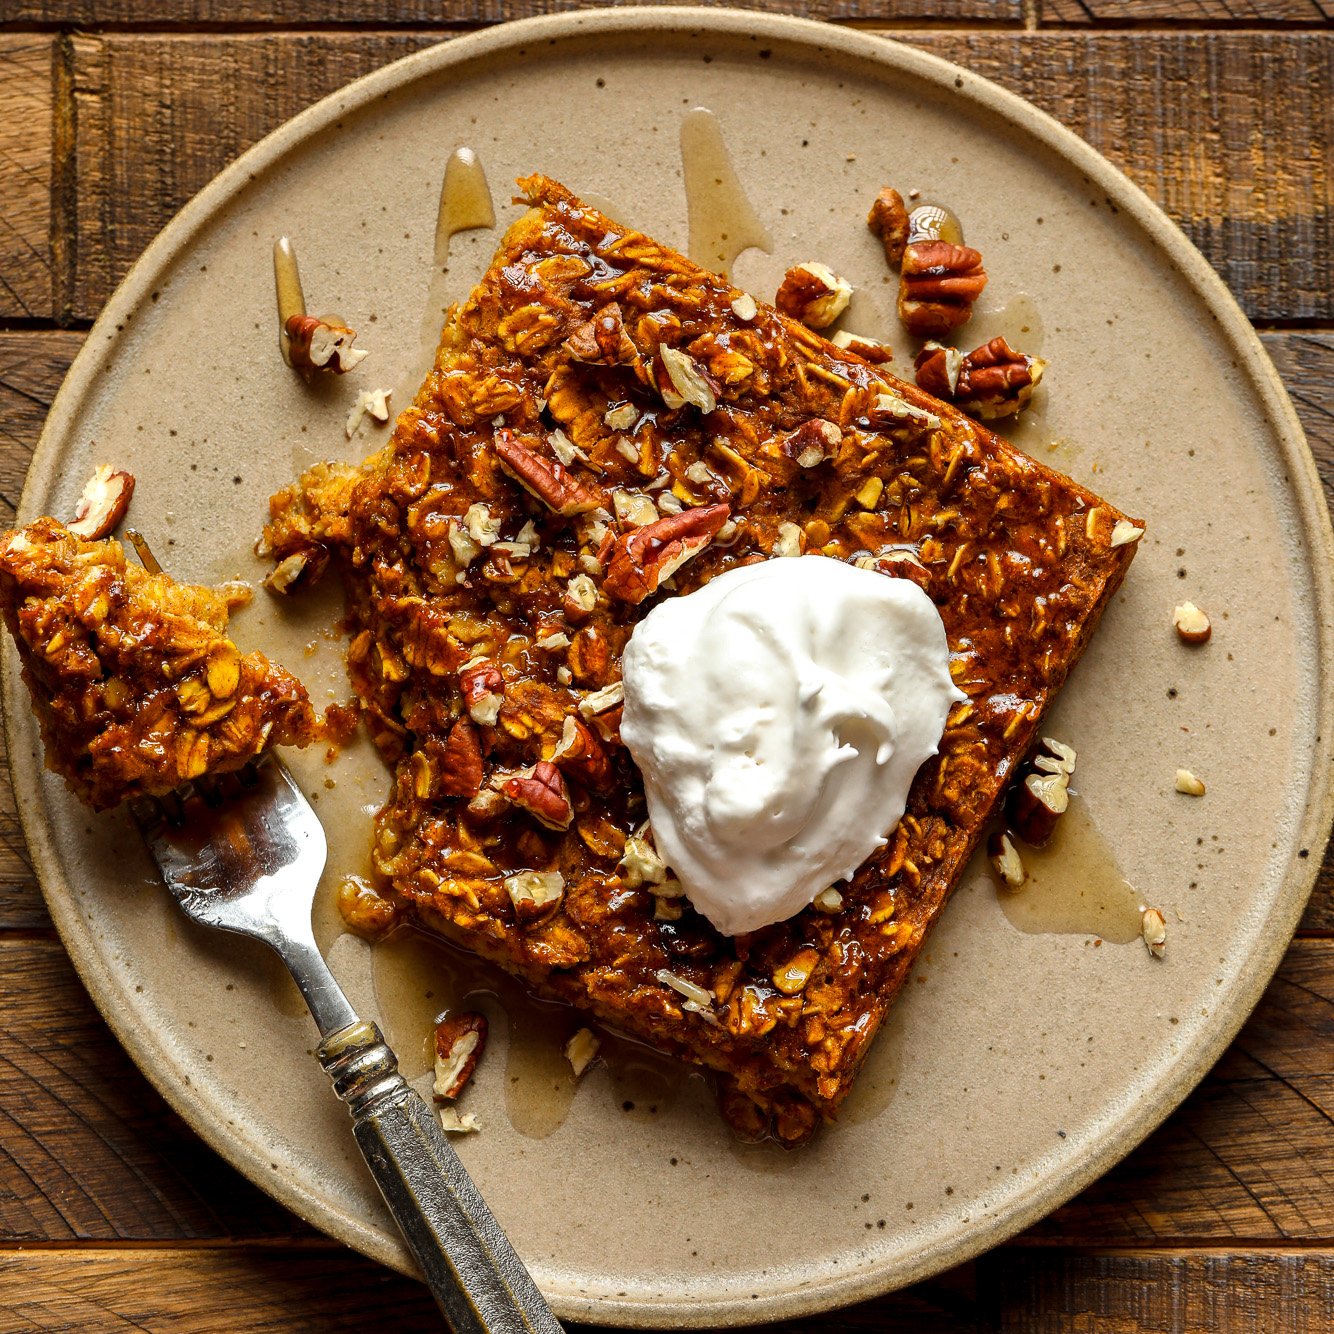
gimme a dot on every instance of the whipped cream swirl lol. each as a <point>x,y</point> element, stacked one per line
<point>778,716</point>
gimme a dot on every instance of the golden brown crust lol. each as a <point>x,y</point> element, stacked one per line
<point>135,683</point>
<point>591,362</point>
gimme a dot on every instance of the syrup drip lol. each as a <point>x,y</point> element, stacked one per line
<point>934,222</point>
<point>465,205</point>
<point>287,282</point>
<point>1074,886</point>
<point>722,220</point>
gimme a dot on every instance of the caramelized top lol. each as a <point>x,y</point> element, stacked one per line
<point>608,424</point>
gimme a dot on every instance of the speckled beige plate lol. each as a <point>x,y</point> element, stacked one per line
<point>1018,1066</point>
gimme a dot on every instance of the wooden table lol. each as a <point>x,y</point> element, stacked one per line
<point>112,114</point>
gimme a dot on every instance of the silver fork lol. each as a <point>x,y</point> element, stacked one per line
<point>245,852</point>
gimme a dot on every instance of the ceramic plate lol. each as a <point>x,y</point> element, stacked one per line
<point>1019,1064</point>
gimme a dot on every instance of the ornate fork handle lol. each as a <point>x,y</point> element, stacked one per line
<point>478,1281</point>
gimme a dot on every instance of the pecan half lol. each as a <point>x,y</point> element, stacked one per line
<point>814,294</point>
<point>319,343</point>
<point>102,504</point>
<point>996,381</point>
<point>461,765</point>
<point>937,368</point>
<point>551,482</point>
<point>602,341</point>
<point>543,794</point>
<point>581,754</point>
<point>483,689</point>
<point>938,285</point>
<point>460,1040</point>
<point>888,219</point>
<point>638,562</point>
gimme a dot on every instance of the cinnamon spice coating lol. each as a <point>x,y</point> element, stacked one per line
<point>595,383</point>
<point>135,683</point>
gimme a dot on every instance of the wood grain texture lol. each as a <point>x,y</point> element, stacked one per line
<point>26,287</point>
<point>88,1151</point>
<point>313,1290</point>
<point>1189,117</point>
<point>93,14</point>
<point>1193,118</point>
<point>310,1290</point>
<point>1192,13</point>
<point>1137,1293</point>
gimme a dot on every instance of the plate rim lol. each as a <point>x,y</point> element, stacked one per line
<point>683,22</point>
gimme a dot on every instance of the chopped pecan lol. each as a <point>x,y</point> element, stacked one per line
<point>687,381</point>
<point>814,294</point>
<point>581,754</point>
<point>812,442</point>
<point>543,794</point>
<point>483,689</point>
<point>535,894</point>
<point>638,562</point>
<point>996,381</point>
<point>102,504</point>
<point>460,1040</point>
<point>938,286</point>
<point>937,369</point>
<point>868,349</point>
<point>602,340</point>
<point>888,219</point>
<point>316,343</point>
<point>299,570</point>
<point>461,765</point>
<point>544,478</point>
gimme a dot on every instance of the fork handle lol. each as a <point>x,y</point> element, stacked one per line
<point>477,1280</point>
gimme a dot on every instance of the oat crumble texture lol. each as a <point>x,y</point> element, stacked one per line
<point>134,681</point>
<point>608,424</point>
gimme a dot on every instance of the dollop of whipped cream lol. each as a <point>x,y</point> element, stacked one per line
<point>778,716</point>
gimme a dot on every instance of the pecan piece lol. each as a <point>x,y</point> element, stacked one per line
<point>860,345</point>
<point>549,481</point>
<point>638,562</point>
<point>812,442</point>
<point>299,570</point>
<point>460,1040</point>
<point>461,765</point>
<point>320,343</point>
<point>938,285</point>
<point>543,794</point>
<point>996,381</point>
<point>937,369</point>
<point>483,689</point>
<point>102,504</point>
<point>888,219</point>
<point>814,294</point>
<point>602,341</point>
<point>581,754</point>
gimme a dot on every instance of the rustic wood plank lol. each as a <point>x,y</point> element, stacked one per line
<point>32,366</point>
<point>93,14</point>
<point>26,288</point>
<point>88,1150</point>
<point>91,1152</point>
<point>1190,117</point>
<point>1187,1293</point>
<point>1187,13</point>
<point>313,1290</point>
<point>1195,120</point>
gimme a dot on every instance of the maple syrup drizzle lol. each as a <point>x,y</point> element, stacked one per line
<point>934,222</point>
<point>722,222</point>
<point>465,205</point>
<point>287,282</point>
<point>1074,886</point>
